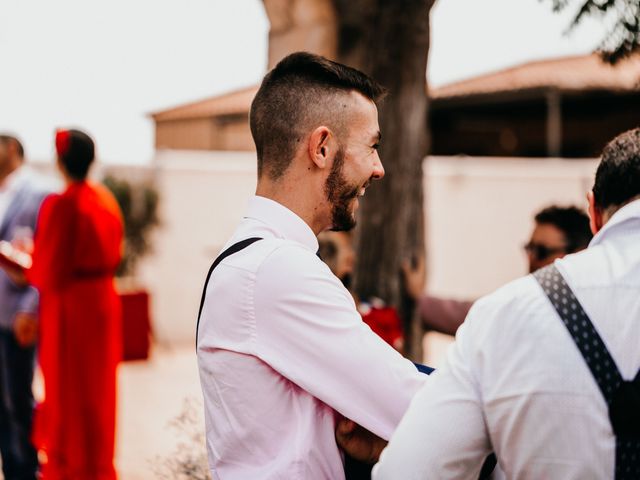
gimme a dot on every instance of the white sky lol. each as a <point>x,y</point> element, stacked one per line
<point>104,65</point>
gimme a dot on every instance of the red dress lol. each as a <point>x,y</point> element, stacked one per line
<point>77,249</point>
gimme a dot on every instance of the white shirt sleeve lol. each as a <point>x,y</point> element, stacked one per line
<point>308,330</point>
<point>443,434</point>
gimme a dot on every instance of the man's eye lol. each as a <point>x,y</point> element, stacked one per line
<point>375,146</point>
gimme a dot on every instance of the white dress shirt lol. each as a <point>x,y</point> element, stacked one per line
<point>281,349</point>
<point>515,382</point>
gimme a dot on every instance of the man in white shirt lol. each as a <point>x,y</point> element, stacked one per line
<point>282,350</point>
<point>519,380</point>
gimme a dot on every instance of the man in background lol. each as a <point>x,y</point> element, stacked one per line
<point>558,231</point>
<point>20,198</point>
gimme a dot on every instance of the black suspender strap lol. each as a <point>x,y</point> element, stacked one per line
<point>595,353</point>
<point>622,397</point>
<point>235,248</point>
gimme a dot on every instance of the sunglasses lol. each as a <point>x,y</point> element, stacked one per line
<point>540,252</point>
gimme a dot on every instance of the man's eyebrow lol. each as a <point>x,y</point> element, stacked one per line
<point>377,137</point>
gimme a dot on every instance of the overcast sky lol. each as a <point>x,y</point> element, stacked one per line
<point>103,66</point>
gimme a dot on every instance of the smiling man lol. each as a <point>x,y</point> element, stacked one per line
<point>282,349</point>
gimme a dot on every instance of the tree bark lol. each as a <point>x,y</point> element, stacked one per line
<point>389,40</point>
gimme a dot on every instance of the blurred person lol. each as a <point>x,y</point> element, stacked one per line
<point>336,250</point>
<point>558,231</point>
<point>21,194</point>
<point>77,248</point>
<point>546,370</point>
<point>282,350</point>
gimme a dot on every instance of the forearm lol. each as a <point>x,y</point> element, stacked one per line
<point>442,314</point>
<point>16,275</point>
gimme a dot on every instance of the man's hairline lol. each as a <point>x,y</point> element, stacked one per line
<point>611,209</point>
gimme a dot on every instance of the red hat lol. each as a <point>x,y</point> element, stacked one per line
<point>63,142</point>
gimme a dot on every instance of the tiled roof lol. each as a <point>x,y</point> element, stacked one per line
<point>236,102</point>
<point>586,72</point>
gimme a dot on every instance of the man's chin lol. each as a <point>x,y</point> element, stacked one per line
<point>343,224</point>
<point>344,228</point>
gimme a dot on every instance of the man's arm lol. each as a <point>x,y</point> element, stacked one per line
<point>443,315</point>
<point>309,331</point>
<point>443,434</point>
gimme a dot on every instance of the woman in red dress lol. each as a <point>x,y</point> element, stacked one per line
<point>76,251</point>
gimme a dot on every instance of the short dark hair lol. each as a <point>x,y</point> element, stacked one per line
<point>293,97</point>
<point>79,154</point>
<point>571,221</point>
<point>618,175</point>
<point>7,139</point>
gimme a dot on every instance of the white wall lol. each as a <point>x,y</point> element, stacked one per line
<point>203,195</point>
<point>479,214</point>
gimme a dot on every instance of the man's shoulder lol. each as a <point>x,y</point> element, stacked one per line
<point>514,293</point>
<point>509,308</point>
<point>269,254</point>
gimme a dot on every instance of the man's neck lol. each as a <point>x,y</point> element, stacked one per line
<point>299,200</point>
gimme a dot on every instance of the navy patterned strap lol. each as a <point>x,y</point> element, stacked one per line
<point>627,459</point>
<point>595,353</point>
<point>623,397</point>
<point>235,248</point>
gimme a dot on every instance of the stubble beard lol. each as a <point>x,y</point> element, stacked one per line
<point>340,196</point>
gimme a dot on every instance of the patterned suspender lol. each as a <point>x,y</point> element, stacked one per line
<point>622,397</point>
<point>235,248</point>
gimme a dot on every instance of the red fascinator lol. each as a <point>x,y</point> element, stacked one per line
<point>63,142</point>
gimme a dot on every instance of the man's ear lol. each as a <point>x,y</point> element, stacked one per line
<point>321,146</point>
<point>595,214</point>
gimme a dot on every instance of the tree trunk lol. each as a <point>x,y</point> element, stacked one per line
<point>389,40</point>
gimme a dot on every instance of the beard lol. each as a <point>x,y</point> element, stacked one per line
<point>340,195</point>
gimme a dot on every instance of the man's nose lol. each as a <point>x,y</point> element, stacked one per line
<point>378,169</point>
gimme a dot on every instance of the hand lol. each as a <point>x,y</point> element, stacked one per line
<point>16,276</point>
<point>358,442</point>
<point>414,277</point>
<point>25,329</point>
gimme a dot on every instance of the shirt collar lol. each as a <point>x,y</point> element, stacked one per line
<point>629,212</point>
<point>287,224</point>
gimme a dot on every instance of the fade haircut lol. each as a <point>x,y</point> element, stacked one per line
<point>7,139</point>
<point>618,175</point>
<point>302,92</point>
<point>571,221</point>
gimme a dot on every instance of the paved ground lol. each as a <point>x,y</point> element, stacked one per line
<point>152,395</point>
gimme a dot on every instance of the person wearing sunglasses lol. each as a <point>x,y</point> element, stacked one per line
<point>558,232</point>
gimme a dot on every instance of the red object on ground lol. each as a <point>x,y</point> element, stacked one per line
<point>77,249</point>
<point>136,327</point>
